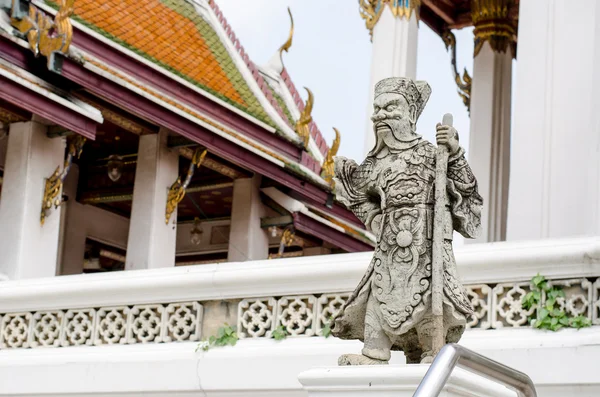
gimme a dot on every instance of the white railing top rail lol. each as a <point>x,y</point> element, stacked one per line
<point>477,263</point>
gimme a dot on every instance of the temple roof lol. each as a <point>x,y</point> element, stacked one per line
<point>193,41</point>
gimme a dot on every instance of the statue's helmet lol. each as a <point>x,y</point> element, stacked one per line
<point>416,93</point>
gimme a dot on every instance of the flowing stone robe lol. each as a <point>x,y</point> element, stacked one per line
<point>393,195</point>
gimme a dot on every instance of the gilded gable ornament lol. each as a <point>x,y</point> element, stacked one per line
<point>54,184</point>
<point>177,189</point>
<point>463,83</point>
<point>327,169</point>
<point>303,123</point>
<point>46,35</point>
<point>371,10</point>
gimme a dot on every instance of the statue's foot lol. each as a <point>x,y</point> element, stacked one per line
<point>427,358</point>
<point>359,359</point>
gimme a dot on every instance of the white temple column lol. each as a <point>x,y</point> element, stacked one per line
<point>247,241</point>
<point>555,163</point>
<point>28,248</point>
<point>490,109</point>
<point>151,242</point>
<point>394,52</point>
<point>74,231</point>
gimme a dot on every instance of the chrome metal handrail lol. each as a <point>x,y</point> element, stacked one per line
<point>453,355</point>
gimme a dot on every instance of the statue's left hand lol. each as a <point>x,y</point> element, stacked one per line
<point>447,135</point>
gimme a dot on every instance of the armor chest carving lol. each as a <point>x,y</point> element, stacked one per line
<point>405,179</point>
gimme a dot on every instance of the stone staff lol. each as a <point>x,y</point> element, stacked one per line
<point>437,268</point>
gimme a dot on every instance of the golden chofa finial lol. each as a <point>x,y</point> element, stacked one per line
<point>276,62</point>
<point>303,123</point>
<point>327,169</point>
<point>288,44</point>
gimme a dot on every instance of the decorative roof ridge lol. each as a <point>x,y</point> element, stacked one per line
<point>253,69</point>
<point>315,132</point>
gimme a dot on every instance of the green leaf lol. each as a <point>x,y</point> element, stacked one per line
<point>558,313</point>
<point>221,332</point>
<point>538,280</point>
<point>543,313</point>
<point>550,304</point>
<point>279,333</point>
<point>326,331</point>
<point>212,340</point>
<point>564,321</point>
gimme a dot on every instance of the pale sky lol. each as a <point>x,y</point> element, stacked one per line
<point>331,54</point>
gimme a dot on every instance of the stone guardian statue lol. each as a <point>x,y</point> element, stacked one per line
<point>392,192</point>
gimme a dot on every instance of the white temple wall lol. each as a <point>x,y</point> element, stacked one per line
<point>555,162</point>
<point>79,364</point>
<point>256,368</point>
<point>215,237</point>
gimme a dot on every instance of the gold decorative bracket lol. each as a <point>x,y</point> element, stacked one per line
<point>303,123</point>
<point>327,169</point>
<point>46,35</point>
<point>177,189</point>
<point>287,239</point>
<point>54,183</point>
<point>493,24</point>
<point>371,10</point>
<point>462,83</point>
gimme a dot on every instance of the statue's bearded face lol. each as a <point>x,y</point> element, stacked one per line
<point>392,113</point>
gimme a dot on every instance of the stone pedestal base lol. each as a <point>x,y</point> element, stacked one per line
<point>392,381</point>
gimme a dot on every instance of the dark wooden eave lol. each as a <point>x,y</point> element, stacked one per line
<point>441,15</point>
<point>36,103</point>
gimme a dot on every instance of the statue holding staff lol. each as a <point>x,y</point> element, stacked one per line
<point>393,193</point>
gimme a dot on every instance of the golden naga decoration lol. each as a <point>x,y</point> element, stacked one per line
<point>54,183</point>
<point>371,10</point>
<point>493,24</point>
<point>287,239</point>
<point>303,123</point>
<point>46,35</point>
<point>327,171</point>
<point>288,44</point>
<point>463,83</point>
<point>177,189</point>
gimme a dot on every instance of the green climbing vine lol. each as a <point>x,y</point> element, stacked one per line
<point>226,336</point>
<point>279,333</point>
<point>326,330</point>
<point>548,313</point>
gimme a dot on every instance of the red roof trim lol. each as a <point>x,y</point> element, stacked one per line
<point>333,236</point>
